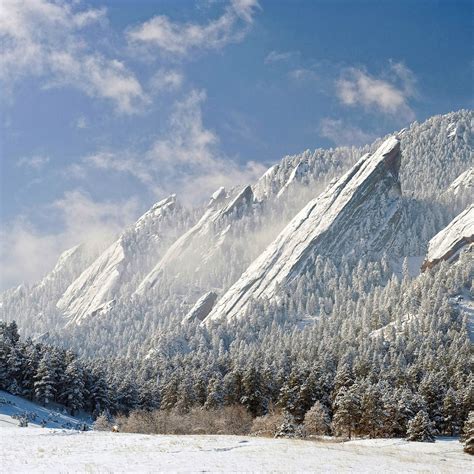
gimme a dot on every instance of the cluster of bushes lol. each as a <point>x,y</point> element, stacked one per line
<point>236,420</point>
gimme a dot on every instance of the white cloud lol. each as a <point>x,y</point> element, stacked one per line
<point>303,74</point>
<point>36,162</point>
<point>81,122</point>
<point>45,39</point>
<point>182,38</point>
<point>26,253</point>
<point>185,160</point>
<point>343,134</point>
<point>165,80</point>
<point>357,87</point>
<point>279,56</point>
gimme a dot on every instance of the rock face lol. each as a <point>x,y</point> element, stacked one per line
<point>464,182</point>
<point>97,287</point>
<point>359,212</point>
<point>447,244</point>
<point>189,254</point>
<point>202,307</point>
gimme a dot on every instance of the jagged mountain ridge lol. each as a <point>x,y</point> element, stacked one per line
<point>429,150</point>
<point>95,290</point>
<point>328,225</point>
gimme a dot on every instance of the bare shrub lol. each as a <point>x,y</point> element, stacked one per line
<point>317,421</point>
<point>227,420</point>
<point>267,425</point>
<point>102,423</point>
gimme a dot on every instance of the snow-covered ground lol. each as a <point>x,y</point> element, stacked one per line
<point>12,407</point>
<point>52,450</point>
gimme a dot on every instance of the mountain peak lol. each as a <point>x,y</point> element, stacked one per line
<point>361,209</point>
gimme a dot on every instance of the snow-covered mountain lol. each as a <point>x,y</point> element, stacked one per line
<point>357,213</point>
<point>463,183</point>
<point>35,305</point>
<point>112,274</point>
<point>251,241</point>
<point>194,250</point>
<point>447,244</point>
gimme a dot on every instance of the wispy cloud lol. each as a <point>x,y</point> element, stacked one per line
<point>186,159</point>
<point>36,162</point>
<point>342,134</point>
<point>46,39</point>
<point>27,253</point>
<point>166,80</point>
<point>303,74</point>
<point>391,95</point>
<point>81,122</point>
<point>162,33</point>
<point>280,56</point>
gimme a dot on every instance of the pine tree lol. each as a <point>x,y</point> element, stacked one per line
<point>450,413</point>
<point>73,387</point>
<point>215,395</point>
<point>372,409</point>
<point>45,384</point>
<point>288,428</point>
<point>468,434</point>
<point>347,411</point>
<point>253,397</point>
<point>420,428</point>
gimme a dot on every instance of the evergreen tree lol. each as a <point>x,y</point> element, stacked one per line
<point>347,411</point>
<point>45,383</point>
<point>468,434</point>
<point>420,428</point>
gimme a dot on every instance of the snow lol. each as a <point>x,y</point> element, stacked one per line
<point>323,225</point>
<point>200,242</point>
<point>54,416</point>
<point>464,303</point>
<point>49,450</point>
<point>449,241</point>
<point>94,291</point>
<point>463,182</point>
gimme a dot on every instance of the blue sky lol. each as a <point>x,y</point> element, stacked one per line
<point>108,106</point>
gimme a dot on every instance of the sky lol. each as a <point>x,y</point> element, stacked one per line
<point>109,106</point>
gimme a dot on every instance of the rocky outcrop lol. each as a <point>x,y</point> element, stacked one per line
<point>463,183</point>
<point>202,307</point>
<point>446,245</point>
<point>189,253</point>
<point>98,286</point>
<point>357,213</point>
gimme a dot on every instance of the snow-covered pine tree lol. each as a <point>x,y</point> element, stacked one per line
<point>420,428</point>
<point>468,434</point>
<point>45,383</point>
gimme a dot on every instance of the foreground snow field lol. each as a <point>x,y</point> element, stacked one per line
<point>52,450</point>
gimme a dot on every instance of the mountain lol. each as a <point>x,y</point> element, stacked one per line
<point>358,213</point>
<point>463,183</point>
<point>35,305</point>
<point>446,245</point>
<point>112,274</point>
<point>323,204</point>
<point>193,252</point>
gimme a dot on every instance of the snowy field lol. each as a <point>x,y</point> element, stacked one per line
<point>52,450</point>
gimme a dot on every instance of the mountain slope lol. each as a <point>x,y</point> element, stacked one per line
<point>363,204</point>
<point>109,275</point>
<point>192,252</point>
